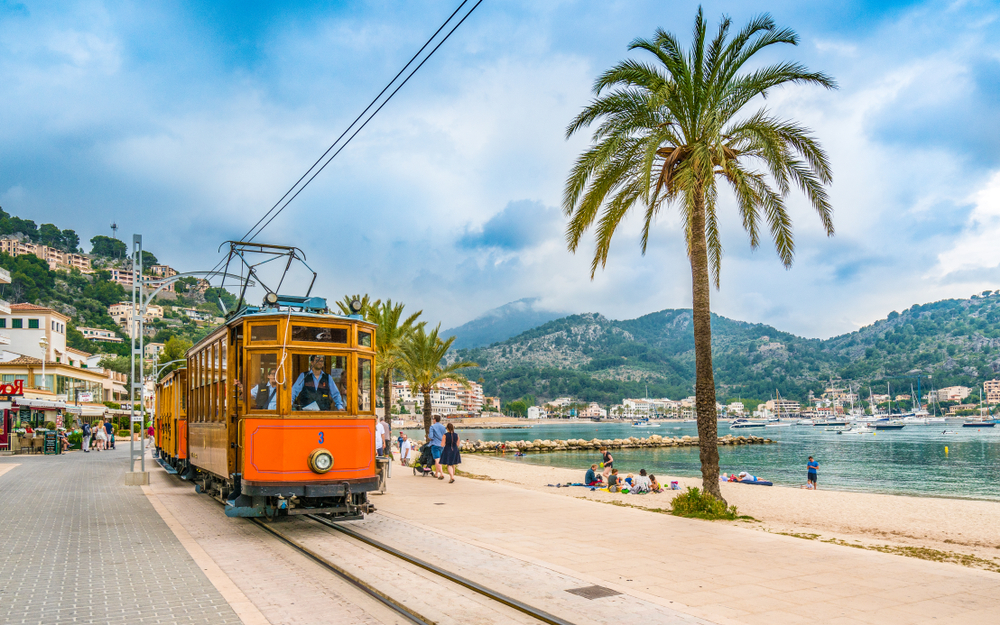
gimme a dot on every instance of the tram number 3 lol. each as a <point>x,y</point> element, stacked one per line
<point>320,438</point>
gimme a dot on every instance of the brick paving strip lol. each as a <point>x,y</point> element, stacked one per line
<point>78,546</point>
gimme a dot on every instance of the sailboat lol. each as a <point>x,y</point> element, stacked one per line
<point>982,422</point>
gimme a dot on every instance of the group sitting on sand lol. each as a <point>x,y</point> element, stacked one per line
<point>637,485</point>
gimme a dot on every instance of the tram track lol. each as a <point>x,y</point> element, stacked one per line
<point>403,610</point>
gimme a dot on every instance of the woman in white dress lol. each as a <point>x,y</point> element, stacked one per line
<point>102,437</point>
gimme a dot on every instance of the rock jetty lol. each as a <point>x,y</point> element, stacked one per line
<point>576,444</point>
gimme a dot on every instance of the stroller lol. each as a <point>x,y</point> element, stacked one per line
<point>425,463</point>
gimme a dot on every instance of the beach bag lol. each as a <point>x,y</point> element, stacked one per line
<point>675,486</point>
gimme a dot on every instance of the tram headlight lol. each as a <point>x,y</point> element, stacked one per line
<point>356,306</point>
<point>320,461</point>
<point>271,299</point>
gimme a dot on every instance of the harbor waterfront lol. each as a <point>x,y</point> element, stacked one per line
<point>911,461</point>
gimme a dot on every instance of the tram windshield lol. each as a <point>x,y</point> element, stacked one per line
<point>320,382</point>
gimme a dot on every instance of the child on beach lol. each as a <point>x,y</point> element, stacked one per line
<point>654,486</point>
<point>608,461</point>
<point>614,485</point>
<point>629,480</point>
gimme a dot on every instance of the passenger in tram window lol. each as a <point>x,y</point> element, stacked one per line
<point>266,395</point>
<point>316,389</point>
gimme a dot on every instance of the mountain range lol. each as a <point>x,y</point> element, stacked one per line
<point>592,358</point>
<point>501,323</point>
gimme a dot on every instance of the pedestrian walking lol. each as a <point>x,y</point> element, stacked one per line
<point>380,437</point>
<point>102,437</point>
<point>404,450</point>
<point>85,428</point>
<point>450,457</point>
<point>812,468</point>
<point>109,427</point>
<point>436,437</point>
<point>149,433</point>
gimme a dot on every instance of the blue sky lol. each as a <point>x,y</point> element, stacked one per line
<point>187,122</point>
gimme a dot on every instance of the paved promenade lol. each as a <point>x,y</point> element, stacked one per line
<point>718,572</point>
<point>77,546</point>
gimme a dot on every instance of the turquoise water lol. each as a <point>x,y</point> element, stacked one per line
<point>911,461</point>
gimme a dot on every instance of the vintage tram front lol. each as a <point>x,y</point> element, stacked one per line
<point>281,414</point>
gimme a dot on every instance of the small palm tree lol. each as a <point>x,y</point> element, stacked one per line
<point>422,361</point>
<point>366,305</point>
<point>393,330</point>
<point>668,132</point>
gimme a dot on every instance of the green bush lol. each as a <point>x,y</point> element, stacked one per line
<point>696,504</point>
<point>122,434</point>
<point>75,440</point>
<point>50,425</point>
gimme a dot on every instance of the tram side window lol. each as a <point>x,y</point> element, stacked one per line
<point>263,393</point>
<point>320,382</point>
<point>317,334</point>
<point>364,339</point>
<point>364,385</point>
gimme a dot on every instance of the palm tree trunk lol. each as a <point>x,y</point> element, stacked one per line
<point>427,413</point>
<point>387,395</point>
<point>704,389</point>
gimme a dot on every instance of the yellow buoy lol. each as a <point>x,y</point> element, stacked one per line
<point>946,450</point>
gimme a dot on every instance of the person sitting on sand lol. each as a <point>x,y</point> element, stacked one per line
<point>614,484</point>
<point>733,478</point>
<point>641,483</point>
<point>746,477</point>
<point>654,486</point>
<point>592,478</point>
<point>629,480</point>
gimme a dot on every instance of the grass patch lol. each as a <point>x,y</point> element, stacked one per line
<point>695,504</point>
<point>926,553</point>
<point>799,535</point>
<point>473,476</point>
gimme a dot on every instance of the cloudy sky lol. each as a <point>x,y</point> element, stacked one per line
<point>186,121</point>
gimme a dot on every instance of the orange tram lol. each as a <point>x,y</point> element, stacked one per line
<point>274,412</point>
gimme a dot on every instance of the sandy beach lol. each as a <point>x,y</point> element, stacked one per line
<point>905,525</point>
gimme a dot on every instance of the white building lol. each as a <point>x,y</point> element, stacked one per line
<point>100,334</point>
<point>122,314</point>
<point>953,393</point>
<point>736,408</point>
<point>27,325</point>
<point>534,412</point>
<point>444,401</point>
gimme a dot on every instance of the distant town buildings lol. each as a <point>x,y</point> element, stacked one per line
<point>736,408</point>
<point>100,335</point>
<point>783,407</point>
<point>122,314</point>
<point>447,397</point>
<point>152,351</point>
<point>953,393</point>
<point>38,332</point>
<point>992,389</point>
<point>57,259</point>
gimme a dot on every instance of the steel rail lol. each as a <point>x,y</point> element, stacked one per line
<point>358,583</point>
<point>541,615</point>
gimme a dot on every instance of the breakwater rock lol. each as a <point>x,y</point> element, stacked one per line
<point>576,444</point>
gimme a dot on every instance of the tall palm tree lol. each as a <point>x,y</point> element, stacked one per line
<point>393,330</point>
<point>667,132</point>
<point>422,361</point>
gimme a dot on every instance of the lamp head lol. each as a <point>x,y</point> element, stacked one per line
<point>356,306</point>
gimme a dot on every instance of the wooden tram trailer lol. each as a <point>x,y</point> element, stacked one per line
<point>266,462</point>
<point>171,422</point>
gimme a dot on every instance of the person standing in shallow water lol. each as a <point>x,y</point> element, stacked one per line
<point>812,468</point>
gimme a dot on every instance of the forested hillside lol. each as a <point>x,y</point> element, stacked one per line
<point>596,359</point>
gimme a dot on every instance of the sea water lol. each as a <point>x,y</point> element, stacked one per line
<point>911,461</point>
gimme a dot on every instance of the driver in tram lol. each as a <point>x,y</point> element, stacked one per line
<point>316,389</point>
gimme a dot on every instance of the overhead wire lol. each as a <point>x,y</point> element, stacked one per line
<point>370,117</point>
<point>356,119</point>
<point>299,186</point>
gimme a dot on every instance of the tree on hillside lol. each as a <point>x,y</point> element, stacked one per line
<point>108,247</point>
<point>71,241</point>
<point>104,290</point>
<point>51,235</point>
<point>422,360</point>
<point>174,349</point>
<point>668,131</point>
<point>148,259</point>
<point>391,333</point>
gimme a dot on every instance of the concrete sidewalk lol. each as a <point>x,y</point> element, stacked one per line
<point>78,546</point>
<point>722,573</point>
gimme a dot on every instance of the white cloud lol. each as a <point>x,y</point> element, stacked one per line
<point>977,247</point>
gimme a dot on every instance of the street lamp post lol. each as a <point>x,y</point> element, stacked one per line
<point>44,344</point>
